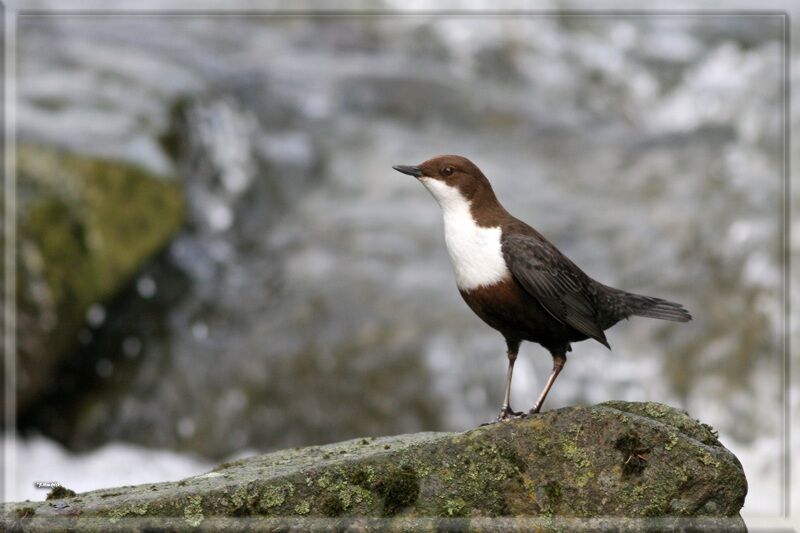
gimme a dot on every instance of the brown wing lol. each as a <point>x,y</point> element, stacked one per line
<point>559,286</point>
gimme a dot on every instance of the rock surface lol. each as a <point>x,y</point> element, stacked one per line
<point>634,465</point>
<point>86,225</point>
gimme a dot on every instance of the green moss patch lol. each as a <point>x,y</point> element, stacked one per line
<point>399,488</point>
<point>59,492</point>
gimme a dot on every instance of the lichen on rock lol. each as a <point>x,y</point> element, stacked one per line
<point>618,460</point>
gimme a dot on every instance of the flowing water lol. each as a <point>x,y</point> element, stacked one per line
<point>310,298</point>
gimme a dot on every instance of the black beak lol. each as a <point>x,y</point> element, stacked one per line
<point>411,171</point>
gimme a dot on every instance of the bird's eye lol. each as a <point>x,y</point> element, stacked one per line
<point>447,171</point>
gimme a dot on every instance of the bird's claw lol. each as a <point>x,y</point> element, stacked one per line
<point>506,414</point>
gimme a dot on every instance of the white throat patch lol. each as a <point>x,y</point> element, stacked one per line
<point>475,251</point>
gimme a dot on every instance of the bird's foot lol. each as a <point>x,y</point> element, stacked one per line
<point>535,410</point>
<point>506,414</point>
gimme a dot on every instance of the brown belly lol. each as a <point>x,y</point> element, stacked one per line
<point>508,308</point>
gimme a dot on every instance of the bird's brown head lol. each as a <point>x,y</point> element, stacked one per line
<point>446,175</point>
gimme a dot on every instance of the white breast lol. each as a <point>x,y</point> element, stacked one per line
<point>475,251</point>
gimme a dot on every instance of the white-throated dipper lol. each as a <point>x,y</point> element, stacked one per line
<point>517,281</point>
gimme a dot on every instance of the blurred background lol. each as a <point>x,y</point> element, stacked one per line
<point>216,259</point>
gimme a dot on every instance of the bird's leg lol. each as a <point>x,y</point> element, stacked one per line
<point>506,413</point>
<point>559,360</point>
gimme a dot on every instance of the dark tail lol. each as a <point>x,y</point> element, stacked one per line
<point>656,308</point>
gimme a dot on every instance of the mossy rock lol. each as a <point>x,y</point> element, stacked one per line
<point>548,472</point>
<point>85,227</point>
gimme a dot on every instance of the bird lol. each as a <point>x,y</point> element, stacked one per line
<point>517,281</point>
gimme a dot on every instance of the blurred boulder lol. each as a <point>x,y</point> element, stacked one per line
<point>85,227</point>
<point>639,466</point>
